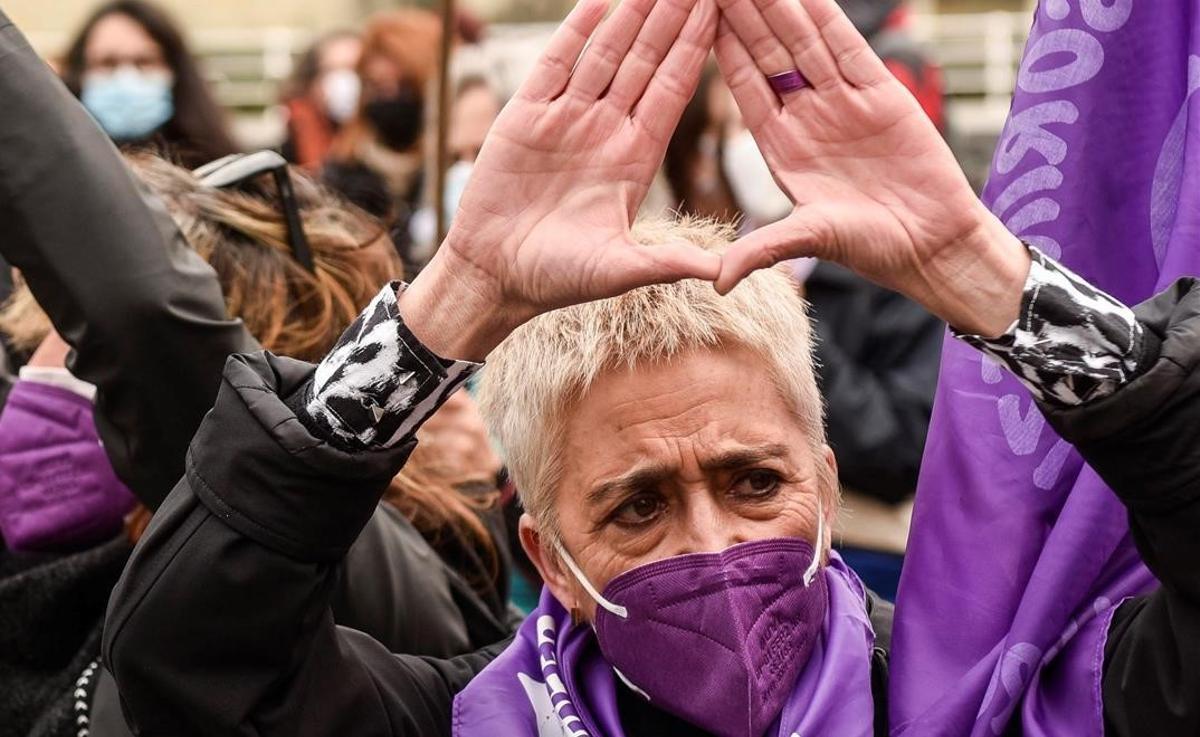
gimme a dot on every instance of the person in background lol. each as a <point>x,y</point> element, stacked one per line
<point>693,168</point>
<point>241,234</point>
<point>475,107</point>
<point>878,354</point>
<point>321,97</point>
<point>133,71</point>
<point>377,159</point>
<point>887,26</point>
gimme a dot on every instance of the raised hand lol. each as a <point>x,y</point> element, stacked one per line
<point>545,220</point>
<point>875,187</point>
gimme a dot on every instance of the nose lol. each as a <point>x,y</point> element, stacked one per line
<point>707,527</point>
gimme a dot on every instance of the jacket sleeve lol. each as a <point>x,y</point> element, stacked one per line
<point>221,622</point>
<point>143,312</point>
<point>1144,441</point>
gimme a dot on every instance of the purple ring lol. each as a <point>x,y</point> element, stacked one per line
<point>789,81</point>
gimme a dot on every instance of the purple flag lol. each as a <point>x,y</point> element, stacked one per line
<point>1019,554</point>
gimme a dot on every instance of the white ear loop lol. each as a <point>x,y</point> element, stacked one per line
<point>612,608</point>
<point>818,546</point>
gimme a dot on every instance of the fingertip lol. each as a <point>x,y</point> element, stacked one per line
<point>728,278</point>
<point>591,12</point>
<point>694,262</point>
<point>725,284</point>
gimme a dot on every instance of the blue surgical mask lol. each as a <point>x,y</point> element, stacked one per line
<point>129,104</point>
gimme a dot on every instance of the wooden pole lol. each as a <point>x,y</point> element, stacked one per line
<point>443,119</point>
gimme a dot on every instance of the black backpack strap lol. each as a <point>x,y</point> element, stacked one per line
<point>880,612</point>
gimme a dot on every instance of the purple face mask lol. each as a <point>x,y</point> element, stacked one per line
<point>717,639</point>
<point>57,489</point>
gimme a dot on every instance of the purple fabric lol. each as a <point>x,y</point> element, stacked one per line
<point>737,627</point>
<point>58,491</point>
<point>553,680</point>
<point>1018,553</point>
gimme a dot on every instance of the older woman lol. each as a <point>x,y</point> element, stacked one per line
<point>667,440</point>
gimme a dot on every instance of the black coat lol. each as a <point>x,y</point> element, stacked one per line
<point>146,317</point>
<point>878,354</point>
<point>221,622</point>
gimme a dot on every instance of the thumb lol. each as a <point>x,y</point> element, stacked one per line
<point>668,262</point>
<point>799,234</point>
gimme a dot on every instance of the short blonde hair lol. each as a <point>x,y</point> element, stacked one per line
<point>537,372</point>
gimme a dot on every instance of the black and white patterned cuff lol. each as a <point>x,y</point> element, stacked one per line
<point>379,384</point>
<point>1072,342</point>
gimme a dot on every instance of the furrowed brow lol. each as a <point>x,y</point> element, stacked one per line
<point>736,458</point>
<point>647,477</point>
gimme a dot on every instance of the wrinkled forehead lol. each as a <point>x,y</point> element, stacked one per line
<point>700,413</point>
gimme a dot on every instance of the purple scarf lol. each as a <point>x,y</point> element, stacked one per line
<point>1019,554</point>
<point>552,680</point>
<point>58,491</point>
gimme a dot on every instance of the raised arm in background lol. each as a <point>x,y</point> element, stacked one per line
<point>143,311</point>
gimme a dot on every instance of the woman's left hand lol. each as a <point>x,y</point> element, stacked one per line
<point>875,186</point>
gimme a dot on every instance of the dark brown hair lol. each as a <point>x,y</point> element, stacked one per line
<point>197,132</point>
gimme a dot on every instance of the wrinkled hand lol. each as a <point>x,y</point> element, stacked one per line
<point>875,187</point>
<point>545,220</point>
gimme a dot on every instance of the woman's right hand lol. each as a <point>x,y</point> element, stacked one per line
<point>545,220</point>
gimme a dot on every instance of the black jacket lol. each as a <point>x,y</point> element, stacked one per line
<point>878,354</point>
<point>221,622</point>
<point>147,320</point>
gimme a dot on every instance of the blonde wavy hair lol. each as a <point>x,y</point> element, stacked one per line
<point>537,372</point>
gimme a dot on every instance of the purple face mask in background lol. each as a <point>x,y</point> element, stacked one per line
<point>717,639</point>
<point>58,491</point>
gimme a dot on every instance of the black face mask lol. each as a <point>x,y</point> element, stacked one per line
<point>397,120</point>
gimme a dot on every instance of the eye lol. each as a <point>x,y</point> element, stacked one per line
<point>760,483</point>
<point>640,509</point>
